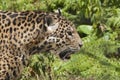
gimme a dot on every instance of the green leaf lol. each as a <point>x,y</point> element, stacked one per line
<point>87,29</point>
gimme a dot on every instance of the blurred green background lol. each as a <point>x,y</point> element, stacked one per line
<point>97,22</point>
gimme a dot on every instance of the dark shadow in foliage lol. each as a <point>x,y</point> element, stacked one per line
<point>114,55</point>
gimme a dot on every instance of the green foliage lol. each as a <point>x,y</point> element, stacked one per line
<point>86,29</point>
<point>98,23</point>
<point>40,67</point>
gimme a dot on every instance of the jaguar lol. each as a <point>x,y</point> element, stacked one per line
<point>25,33</point>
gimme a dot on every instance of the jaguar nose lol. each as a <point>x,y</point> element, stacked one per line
<point>80,44</point>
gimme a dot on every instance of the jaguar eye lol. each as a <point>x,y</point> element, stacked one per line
<point>69,33</point>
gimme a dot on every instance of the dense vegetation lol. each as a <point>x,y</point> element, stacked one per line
<point>98,23</point>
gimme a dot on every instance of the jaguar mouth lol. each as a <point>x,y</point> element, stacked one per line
<point>66,54</point>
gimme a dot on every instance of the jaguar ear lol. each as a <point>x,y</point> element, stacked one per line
<point>50,23</point>
<point>48,20</point>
